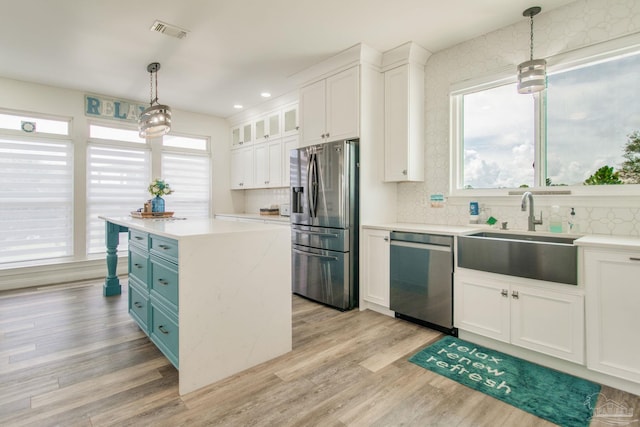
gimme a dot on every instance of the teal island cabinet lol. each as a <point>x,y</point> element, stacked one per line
<point>214,296</point>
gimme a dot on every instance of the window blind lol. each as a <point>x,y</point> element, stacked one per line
<point>117,181</point>
<point>36,201</point>
<point>190,178</point>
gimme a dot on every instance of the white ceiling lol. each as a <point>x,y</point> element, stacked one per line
<point>235,48</point>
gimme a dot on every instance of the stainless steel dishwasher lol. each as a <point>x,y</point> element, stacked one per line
<point>421,273</point>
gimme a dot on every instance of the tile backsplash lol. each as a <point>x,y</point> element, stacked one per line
<point>592,216</point>
<point>264,198</point>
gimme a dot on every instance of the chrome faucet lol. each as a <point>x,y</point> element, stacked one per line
<point>532,218</point>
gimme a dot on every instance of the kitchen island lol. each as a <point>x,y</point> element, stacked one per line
<point>214,296</point>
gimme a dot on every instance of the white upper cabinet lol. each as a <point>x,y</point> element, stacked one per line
<point>268,126</point>
<point>242,135</point>
<point>404,113</point>
<point>329,108</point>
<point>312,113</point>
<point>290,124</point>
<point>343,106</point>
<point>260,149</point>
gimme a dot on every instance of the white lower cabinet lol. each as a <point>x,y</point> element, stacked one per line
<point>375,267</point>
<point>548,318</point>
<point>612,286</point>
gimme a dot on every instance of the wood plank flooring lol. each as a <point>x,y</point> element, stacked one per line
<point>70,357</point>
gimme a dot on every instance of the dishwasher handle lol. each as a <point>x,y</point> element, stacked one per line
<point>423,246</point>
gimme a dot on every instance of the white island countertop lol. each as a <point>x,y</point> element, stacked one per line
<point>182,228</point>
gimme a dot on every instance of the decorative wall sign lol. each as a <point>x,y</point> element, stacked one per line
<point>114,109</point>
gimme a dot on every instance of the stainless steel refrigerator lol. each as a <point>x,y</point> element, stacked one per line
<point>324,223</point>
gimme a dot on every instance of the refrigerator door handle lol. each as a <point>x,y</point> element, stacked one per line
<point>317,233</point>
<point>309,179</point>
<point>325,257</point>
<point>312,184</point>
<point>316,185</point>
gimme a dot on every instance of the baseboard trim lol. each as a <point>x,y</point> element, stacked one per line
<point>60,272</point>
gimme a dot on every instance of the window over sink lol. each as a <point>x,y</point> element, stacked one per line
<point>580,134</point>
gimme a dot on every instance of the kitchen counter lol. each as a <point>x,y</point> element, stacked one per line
<point>254,217</point>
<point>449,230</point>
<point>233,290</point>
<point>610,242</point>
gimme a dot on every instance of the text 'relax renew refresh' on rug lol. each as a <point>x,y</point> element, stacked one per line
<point>546,393</point>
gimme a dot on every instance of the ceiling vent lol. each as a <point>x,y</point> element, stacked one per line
<point>168,29</point>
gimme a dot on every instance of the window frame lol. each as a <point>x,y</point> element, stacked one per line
<point>55,138</point>
<point>155,148</point>
<point>623,46</point>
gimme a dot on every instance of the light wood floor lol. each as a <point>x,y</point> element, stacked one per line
<point>70,357</point>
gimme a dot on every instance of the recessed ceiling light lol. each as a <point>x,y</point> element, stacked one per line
<point>237,106</point>
<point>265,95</point>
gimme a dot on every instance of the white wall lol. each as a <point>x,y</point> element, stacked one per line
<point>578,24</point>
<point>30,97</point>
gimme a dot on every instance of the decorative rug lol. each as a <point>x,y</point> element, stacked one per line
<point>554,396</point>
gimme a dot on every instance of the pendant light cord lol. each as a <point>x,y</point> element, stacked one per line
<point>531,20</point>
<point>151,98</point>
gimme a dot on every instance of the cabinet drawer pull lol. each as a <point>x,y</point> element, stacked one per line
<point>515,295</point>
<point>164,247</point>
<point>138,238</point>
<point>633,258</point>
<point>504,293</point>
<point>137,304</point>
<point>163,330</point>
<point>137,265</point>
<point>163,282</point>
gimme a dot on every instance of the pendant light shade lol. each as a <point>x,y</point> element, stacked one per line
<point>532,74</point>
<point>156,120</point>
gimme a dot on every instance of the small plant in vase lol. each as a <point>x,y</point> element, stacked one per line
<point>159,188</point>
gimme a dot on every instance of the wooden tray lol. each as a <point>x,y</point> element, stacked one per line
<point>151,214</point>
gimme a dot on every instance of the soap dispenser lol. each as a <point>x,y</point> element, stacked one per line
<point>573,225</point>
<point>555,221</point>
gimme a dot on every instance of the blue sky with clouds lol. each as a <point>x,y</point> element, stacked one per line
<point>590,112</point>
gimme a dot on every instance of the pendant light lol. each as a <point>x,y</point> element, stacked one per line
<point>156,120</point>
<point>532,76</point>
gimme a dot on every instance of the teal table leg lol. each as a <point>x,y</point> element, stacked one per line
<point>112,238</point>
